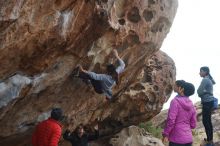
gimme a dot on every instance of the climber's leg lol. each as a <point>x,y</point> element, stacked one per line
<point>87,79</point>
<point>97,86</point>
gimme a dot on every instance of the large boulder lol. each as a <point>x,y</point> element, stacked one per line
<point>41,42</point>
<point>130,136</point>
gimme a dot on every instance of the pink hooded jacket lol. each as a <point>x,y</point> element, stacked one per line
<point>181,119</point>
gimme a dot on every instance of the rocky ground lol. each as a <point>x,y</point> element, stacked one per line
<point>130,136</point>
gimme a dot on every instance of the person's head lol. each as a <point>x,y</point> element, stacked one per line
<point>204,71</point>
<point>188,89</point>
<point>178,85</point>
<point>80,130</point>
<point>111,70</point>
<point>57,114</point>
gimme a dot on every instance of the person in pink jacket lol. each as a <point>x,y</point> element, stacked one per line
<point>181,117</point>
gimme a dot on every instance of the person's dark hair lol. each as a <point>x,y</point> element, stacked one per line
<point>206,69</point>
<point>80,126</point>
<point>57,114</point>
<point>189,89</point>
<point>111,69</point>
<point>180,83</point>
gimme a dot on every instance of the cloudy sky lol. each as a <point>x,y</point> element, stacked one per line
<point>194,41</point>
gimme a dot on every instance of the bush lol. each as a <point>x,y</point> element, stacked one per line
<point>149,127</point>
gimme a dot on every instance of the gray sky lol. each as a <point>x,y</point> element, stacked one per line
<point>194,41</point>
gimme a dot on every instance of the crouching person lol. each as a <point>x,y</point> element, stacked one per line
<point>79,137</point>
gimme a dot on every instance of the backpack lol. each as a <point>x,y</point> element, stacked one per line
<point>215,106</point>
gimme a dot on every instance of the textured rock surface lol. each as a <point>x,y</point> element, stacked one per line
<point>42,41</point>
<point>131,136</point>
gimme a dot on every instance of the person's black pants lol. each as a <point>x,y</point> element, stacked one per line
<point>176,144</point>
<point>206,119</point>
<point>95,83</point>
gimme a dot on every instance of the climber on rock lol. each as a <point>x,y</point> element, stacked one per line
<point>102,83</point>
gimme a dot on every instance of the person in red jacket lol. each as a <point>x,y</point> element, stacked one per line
<point>48,132</point>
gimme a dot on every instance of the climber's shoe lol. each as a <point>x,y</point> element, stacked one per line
<point>87,82</point>
<point>112,99</point>
<point>75,72</point>
<point>107,98</point>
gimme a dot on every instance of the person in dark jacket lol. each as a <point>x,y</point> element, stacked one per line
<point>48,132</point>
<point>205,92</point>
<point>103,83</point>
<point>79,137</point>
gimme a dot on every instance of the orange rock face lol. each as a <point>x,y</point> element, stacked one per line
<point>41,42</point>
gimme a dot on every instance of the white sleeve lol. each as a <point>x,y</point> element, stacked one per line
<point>121,66</point>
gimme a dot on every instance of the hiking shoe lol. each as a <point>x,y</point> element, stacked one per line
<point>87,82</point>
<point>208,143</point>
<point>75,72</point>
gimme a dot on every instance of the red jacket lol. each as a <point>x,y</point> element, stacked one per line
<point>47,133</point>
